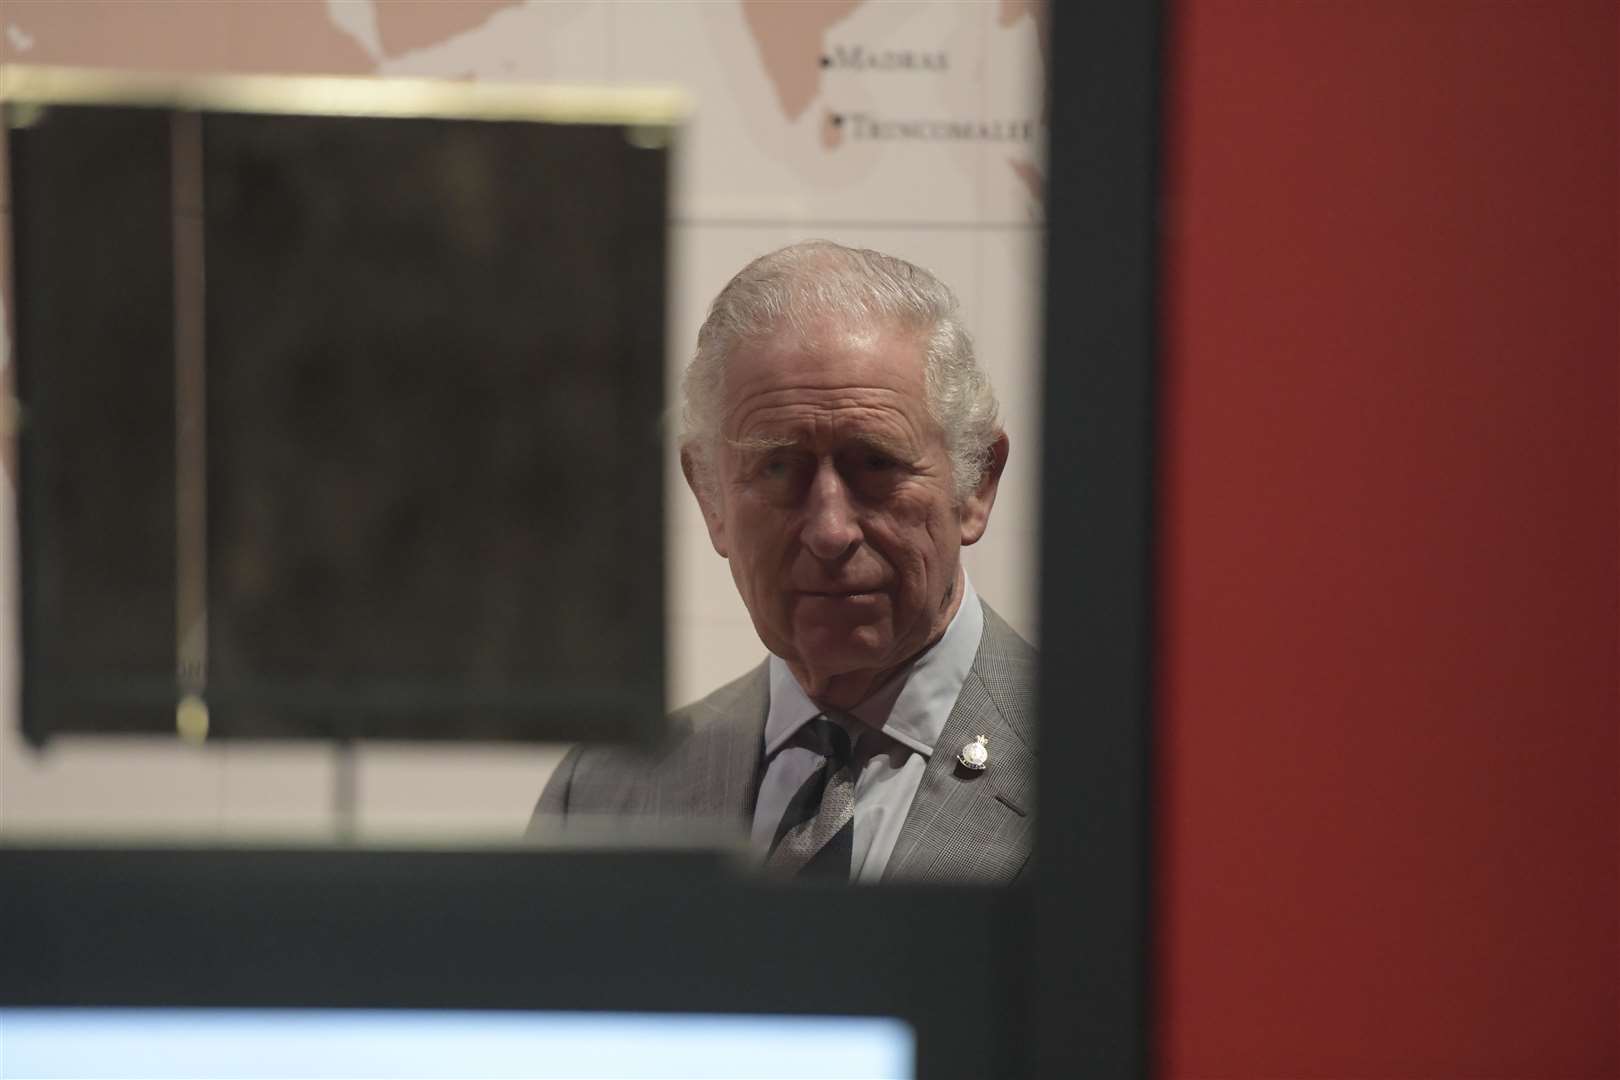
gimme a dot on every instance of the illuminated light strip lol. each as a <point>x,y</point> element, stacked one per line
<point>337,95</point>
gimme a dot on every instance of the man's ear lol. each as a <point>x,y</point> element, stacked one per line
<point>713,517</point>
<point>975,513</point>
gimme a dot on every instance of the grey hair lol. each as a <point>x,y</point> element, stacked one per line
<point>802,288</point>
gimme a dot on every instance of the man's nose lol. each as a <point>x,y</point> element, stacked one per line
<point>830,527</point>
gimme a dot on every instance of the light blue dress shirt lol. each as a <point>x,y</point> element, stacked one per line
<point>899,725</point>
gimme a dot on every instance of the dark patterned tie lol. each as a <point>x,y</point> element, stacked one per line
<point>817,835</point>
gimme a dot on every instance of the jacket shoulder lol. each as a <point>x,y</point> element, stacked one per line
<point>617,779</point>
<point>1009,668</point>
<point>741,695</point>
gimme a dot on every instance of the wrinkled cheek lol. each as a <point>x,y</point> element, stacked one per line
<point>915,576</point>
<point>741,577</point>
<point>767,600</point>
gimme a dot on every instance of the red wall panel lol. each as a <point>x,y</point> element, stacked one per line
<point>1390,563</point>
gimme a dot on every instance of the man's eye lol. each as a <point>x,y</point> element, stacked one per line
<point>880,462</point>
<point>777,468</point>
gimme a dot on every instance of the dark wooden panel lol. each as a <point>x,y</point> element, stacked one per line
<point>433,357</point>
<point>435,371</point>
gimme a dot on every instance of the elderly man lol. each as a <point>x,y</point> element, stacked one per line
<point>843,445</point>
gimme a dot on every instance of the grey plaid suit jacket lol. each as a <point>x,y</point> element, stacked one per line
<point>963,827</point>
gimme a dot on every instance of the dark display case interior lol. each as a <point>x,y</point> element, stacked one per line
<point>339,425</point>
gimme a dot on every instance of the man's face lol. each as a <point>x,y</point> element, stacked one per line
<point>833,501</point>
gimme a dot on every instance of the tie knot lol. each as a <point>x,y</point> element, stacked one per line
<point>829,738</point>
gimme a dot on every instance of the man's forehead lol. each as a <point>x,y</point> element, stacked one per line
<point>829,421</point>
<point>892,439</point>
<point>829,357</point>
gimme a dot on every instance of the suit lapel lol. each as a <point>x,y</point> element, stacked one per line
<point>967,826</point>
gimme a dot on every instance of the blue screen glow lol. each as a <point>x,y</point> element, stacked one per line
<point>255,1044</point>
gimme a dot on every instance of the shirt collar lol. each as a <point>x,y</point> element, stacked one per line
<point>910,707</point>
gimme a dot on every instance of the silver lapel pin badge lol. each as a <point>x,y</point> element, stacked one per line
<point>976,754</point>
